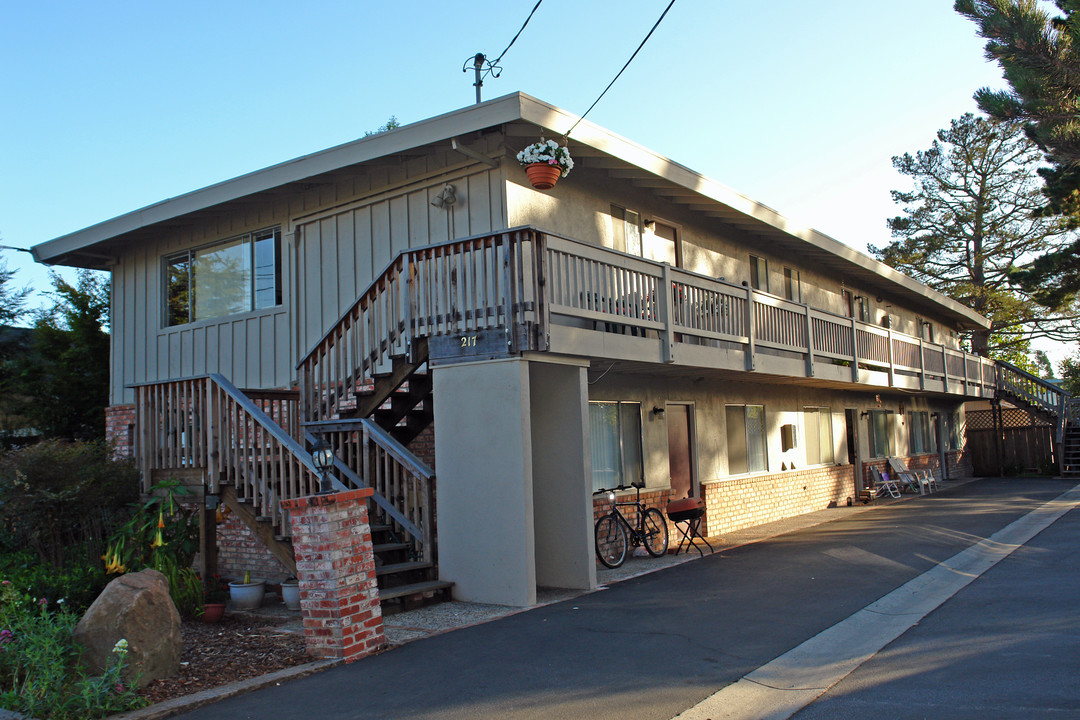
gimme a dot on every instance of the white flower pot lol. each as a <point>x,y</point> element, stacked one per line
<point>290,594</point>
<point>247,596</point>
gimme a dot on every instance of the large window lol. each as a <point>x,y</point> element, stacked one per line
<point>626,230</point>
<point>881,432</point>
<point>921,438</point>
<point>819,438</point>
<point>235,276</point>
<point>746,439</point>
<point>615,443</point>
<point>952,431</point>
<point>759,273</point>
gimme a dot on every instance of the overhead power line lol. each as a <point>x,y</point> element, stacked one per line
<point>484,67</point>
<point>655,25</point>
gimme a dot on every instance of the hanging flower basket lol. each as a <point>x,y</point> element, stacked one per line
<point>545,162</point>
<point>543,177</point>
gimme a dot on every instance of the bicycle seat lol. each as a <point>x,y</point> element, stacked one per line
<point>640,484</point>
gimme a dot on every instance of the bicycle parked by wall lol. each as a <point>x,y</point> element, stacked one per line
<point>614,533</point>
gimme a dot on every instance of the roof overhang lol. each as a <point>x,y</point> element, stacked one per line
<point>592,146</point>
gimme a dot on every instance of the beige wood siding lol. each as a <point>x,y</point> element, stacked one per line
<point>342,251</point>
<point>349,230</point>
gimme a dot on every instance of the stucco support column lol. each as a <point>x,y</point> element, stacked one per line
<point>562,486</point>
<point>484,492</point>
<point>335,564</point>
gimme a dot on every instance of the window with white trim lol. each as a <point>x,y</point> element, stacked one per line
<point>747,447</point>
<point>234,276</point>
<point>921,438</point>
<point>817,422</point>
<point>759,273</point>
<point>880,426</point>
<point>615,443</point>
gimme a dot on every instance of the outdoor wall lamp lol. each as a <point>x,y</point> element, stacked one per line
<point>446,198</point>
<point>212,502</point>
<point>322,457</point>
<point>658,411</point>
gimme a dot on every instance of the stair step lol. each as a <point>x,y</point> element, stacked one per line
<point>414,589</point>
<point>390,547</point>
<point>401,567</point>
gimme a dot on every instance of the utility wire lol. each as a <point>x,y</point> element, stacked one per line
<point>496,61</point>
<point>656,25</point>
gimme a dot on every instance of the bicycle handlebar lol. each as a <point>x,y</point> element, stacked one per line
<point>632,486</point>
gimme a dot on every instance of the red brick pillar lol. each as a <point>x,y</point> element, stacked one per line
<point>335,565</point>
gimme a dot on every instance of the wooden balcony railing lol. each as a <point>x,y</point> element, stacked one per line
<point>526,283</point>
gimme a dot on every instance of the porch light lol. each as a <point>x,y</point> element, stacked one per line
<point>322,457</point>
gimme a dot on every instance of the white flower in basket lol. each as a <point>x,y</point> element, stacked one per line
<point>547,152</point>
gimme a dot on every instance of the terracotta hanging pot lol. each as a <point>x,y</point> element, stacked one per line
<point>543,176</point>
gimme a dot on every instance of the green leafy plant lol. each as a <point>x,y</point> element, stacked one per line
<point>40,675</point>
<point>162,534</point>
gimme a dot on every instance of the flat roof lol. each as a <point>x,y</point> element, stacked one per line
<point>634,163</point>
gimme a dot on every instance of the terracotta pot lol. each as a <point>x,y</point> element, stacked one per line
<point>213,612</point>
<point>543,176</point>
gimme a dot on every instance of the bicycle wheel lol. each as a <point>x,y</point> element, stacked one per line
<point>610,541</point>
<point>655,532</point>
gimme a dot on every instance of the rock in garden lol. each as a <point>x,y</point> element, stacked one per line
<point>135,607</point>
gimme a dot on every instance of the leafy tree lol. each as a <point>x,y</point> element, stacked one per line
<point>968,220</point>
<point>64,378</point>
<point>391,124</point>
<point>1040,57</point>
<point>1070,373</point>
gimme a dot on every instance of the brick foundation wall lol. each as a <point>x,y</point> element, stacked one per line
<point>959,462</point>
<point>120,429</point>
<point>423,445</point>
<point>238,550</point>
<point>739,503</point>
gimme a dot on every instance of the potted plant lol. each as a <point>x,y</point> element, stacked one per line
<point>216,592</point>
<point>545,162</point>
<point>290,593</point>
<point>248,594</point>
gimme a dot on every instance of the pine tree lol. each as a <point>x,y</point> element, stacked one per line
<point>968,220</point>
<point>64,377</point>
<point>1040,57</point>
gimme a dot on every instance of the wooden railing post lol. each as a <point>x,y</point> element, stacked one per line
<point>944,369</point>
<point>854,351</point>
<point>809,342</point>
<point>892,364</point>
<point>666,312</point>
<point>922,366</point>
<point>751,330</point>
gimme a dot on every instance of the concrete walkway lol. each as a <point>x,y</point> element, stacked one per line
<point>663,642</point>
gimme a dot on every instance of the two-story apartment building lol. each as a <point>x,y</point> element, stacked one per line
<point>413,300</point>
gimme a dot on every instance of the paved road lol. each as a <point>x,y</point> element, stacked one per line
<point>657,645</point>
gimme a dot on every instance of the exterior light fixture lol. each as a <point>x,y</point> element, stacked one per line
<point>658,411</point>
<point>322,457</point>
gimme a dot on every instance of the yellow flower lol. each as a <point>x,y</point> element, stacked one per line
<point>158,542</point>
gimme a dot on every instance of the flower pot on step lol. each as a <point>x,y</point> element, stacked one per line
<point>213,612</point>
<point>290,594</point>
<point>247,596</point>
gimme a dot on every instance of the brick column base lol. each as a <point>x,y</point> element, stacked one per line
<point>335,564</point>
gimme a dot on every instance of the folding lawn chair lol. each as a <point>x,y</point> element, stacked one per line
<point>882,483</point>
<point>912,480</point>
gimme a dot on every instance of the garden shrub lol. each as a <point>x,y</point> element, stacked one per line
<point>61,500</point>
<point>40,674</point>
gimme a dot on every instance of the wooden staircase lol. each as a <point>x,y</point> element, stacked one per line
<point>1049,402</point>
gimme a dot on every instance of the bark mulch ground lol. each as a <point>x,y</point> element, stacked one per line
<point>233,649</point>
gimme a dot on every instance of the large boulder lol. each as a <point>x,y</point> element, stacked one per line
<point>135,607</point>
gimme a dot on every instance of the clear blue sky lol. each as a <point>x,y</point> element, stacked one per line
<point>110,106</point>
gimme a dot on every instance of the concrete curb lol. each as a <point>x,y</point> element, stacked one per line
<point>178,705</point>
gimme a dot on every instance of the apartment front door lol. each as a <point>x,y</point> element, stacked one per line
<point>680,452</point>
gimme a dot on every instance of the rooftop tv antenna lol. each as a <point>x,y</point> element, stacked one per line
<point>482,67</point>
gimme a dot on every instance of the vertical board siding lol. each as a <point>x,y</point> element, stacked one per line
<point>362,240</point>
<point>339,254</point>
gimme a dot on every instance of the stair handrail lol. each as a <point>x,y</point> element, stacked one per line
<point>378,498</point>
<point>279,433</point>
<point>1017,383</point>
